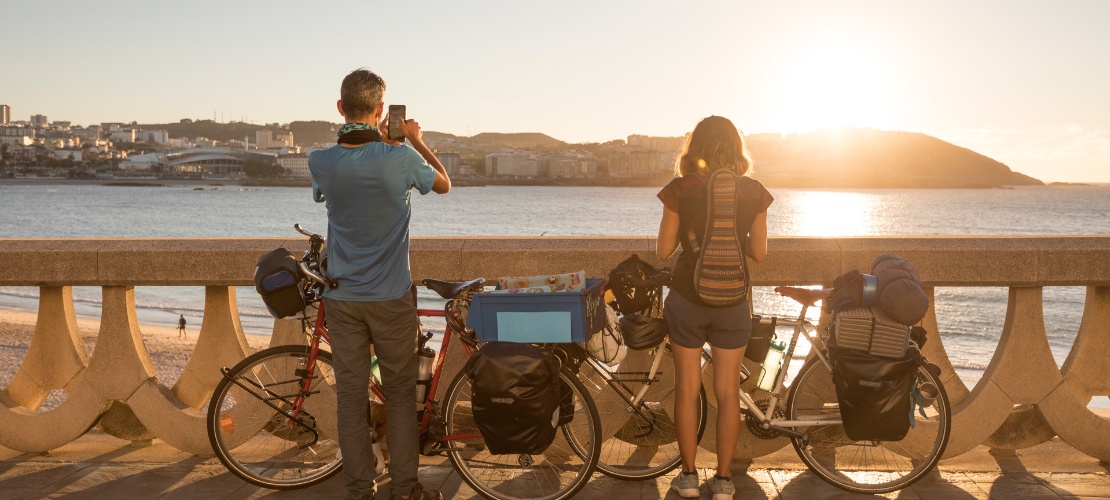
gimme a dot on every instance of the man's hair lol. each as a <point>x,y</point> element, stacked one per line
<point>361,93</point>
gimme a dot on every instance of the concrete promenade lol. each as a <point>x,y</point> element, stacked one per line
<point>100,466</point>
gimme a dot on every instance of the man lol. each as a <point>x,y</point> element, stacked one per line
<point>181,327</point>
<point>365,181</point>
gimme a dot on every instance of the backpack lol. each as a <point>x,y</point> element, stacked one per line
<point>875,394</point>
<point>516,397</point>
<point>721,273</point>
<point>277,278</point>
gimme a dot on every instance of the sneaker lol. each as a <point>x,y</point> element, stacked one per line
<point>721,488</point>
<point>418,493</point>
<point>686,485</point>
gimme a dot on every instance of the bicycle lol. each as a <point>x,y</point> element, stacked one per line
<point>810,416</point>
<point>272,418</point>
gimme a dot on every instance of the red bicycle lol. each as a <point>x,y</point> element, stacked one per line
<point>272,418</point>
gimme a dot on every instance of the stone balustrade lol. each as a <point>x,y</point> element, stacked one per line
<point>1022,400</point>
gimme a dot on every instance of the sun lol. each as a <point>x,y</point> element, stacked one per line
<point>829,81</point>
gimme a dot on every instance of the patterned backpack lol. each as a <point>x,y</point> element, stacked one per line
<point>721,274</point>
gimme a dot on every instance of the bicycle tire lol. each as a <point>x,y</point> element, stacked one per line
<point>512,477</point>
<point>901,465</point>
<point>267,457</point>
<point>643,443</point>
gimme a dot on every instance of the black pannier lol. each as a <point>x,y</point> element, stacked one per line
<point>875,394</point>
<point>277,278</point>
<point>762,336</point>
<point>515,396</point>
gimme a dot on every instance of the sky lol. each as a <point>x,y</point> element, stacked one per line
<point>1021,81</point>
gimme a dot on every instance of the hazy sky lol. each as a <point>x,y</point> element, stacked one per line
<point>1022,81</point>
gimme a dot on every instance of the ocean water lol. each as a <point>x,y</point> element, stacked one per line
<point>970,319</point>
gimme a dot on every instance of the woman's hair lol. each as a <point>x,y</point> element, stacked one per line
<point>714,144</point>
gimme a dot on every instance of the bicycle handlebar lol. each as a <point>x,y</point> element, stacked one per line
<point>306,233</point>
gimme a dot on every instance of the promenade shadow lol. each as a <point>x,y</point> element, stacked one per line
<point>1016,481</point>
<point>115,480</point>
<point>47,478</point>
<point>807,485</point>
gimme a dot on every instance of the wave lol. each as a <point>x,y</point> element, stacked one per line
<point>249,310</point>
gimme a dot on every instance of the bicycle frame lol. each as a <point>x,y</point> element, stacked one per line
<point>801,327</point>
<point>320,332</point>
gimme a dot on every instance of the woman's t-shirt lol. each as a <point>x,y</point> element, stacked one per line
<point>687,196</point>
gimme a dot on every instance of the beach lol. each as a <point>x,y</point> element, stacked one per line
<point>168,352</point>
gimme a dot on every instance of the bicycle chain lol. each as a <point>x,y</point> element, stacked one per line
<point>754,425</point>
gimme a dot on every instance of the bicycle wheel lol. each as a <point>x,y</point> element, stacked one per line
<point>259,442</point>
<point>865,466</point>
<point>638,442</point>
<point>557,474</point>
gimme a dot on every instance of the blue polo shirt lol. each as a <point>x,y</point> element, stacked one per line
<point>366,190</point>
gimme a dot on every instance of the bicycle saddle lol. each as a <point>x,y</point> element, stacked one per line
<point>449,289</point>
<point>806,296</point>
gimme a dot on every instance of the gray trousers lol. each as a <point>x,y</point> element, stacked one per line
<point>392,327</point>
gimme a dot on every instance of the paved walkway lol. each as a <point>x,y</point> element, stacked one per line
<point>99,466</point>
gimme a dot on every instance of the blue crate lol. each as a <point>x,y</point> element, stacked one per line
<point>538,318</point>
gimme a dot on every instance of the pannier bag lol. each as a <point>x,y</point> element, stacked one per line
<point>607,345</point>
<point>628,299</point>
<point>642,332</point>
<point>277,278</point>
<point>515,397</point>
<point>721,272</point>
<point>867,329</point>
<point>874,395</point>
<point>762,336</point>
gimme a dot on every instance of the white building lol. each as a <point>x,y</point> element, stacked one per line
<point>656,143</point>
<point>153,136</point>
<point>266,139</point>
<point>121,134</point>
<point>5,114</point>
<point>571,166</point>
<point>451,162</point>
<point>294,165</point>
<point>513,164</point>
<point>21,136</point>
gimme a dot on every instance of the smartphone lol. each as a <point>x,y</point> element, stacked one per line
<point>396,117</point>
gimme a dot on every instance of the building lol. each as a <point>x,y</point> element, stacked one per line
<point>294,165</point>
<point>40,121</point>
<point>117,134</point>
<point>512,164</point>
<point>571,165</point>
<point>207,166</point>
<point>656,143</point>
<point>74,154</point>
<point>267,139</point>
<point>5,114</point>
<point>451,162</point>
<point>640,163</point>
<point>153,136</point>
<point>17,136</point>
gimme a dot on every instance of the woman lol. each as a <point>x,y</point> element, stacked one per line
<point>715,144</point>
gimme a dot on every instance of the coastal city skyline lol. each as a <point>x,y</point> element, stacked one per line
<point>1016,81</point>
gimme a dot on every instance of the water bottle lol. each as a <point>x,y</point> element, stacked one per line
<point>771,365</point>
<point>427,357</point>
<point>375,372</point>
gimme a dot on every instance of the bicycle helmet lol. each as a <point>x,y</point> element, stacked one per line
<point>627,297</point>
<point>642,332</point>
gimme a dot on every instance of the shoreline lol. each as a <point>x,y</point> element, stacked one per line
<point>168,353</point>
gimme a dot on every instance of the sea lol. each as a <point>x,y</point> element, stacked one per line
<point>970,319</point>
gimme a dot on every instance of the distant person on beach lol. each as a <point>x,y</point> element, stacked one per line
<point>713,145</point>
<point>181,327</point>
<point>365,181</point>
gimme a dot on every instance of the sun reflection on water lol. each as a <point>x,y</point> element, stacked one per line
<point>831,213</point>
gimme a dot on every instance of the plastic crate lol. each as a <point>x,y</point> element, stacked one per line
<point>538,318</point>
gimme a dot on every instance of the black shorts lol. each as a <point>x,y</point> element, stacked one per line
<point>692,325</point>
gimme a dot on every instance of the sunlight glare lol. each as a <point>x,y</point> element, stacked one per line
<point>832,81</point>
<point>833,213</point>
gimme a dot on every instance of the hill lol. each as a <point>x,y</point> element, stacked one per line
<point>526,140</point>
<point>852,157</point>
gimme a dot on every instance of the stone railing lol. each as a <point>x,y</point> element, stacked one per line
<point>1022,400</point>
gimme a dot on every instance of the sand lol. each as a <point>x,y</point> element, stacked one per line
<point>168,352</point>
